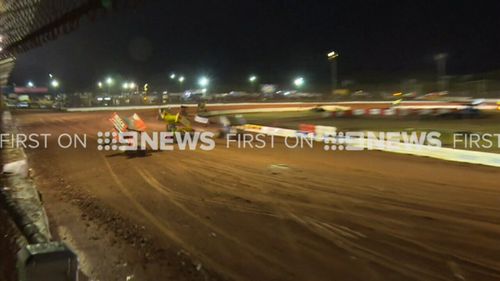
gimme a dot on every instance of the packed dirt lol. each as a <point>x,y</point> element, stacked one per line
<point>264,214</point>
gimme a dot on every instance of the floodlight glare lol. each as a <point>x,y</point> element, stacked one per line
<point>299,81</point>
<point>203,81</point>
<point>109,81</point>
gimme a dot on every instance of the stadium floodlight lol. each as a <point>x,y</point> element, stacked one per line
<point>299,82</point>
<point>332,55</point>
<point>109,81</point>
<point>54,83</point>
<point>203,82</point>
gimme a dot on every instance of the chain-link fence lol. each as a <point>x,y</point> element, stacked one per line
<point>26,24</point>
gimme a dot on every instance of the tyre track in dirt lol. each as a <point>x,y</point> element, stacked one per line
<point>164,190</point>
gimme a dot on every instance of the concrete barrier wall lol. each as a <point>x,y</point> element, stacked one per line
<point>26,252</point>
<point>20,188</point>
<point>443,153</point>
<point>11,242</point>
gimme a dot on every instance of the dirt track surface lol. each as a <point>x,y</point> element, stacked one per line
<point>266,214</point>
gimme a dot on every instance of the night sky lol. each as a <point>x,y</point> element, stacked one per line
<point>378,41</point>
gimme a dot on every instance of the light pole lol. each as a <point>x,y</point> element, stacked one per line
<point>204,82</point>
<point>109,82</point>
<point>252,79</point>
<point>99,85</point>
<point>181,80</point>
<point>125,87</point>
<point>133,86</point>
<point>440,60</point>
<point>332,57</point>
<point>55,84</point>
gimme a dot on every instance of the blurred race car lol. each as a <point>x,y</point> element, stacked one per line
<point>175,122</point>
<point>133,123</point>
